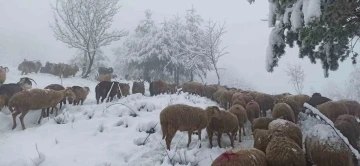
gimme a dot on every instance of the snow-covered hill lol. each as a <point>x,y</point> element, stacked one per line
<point>99,136</point>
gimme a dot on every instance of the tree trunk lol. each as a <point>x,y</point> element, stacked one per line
<point>91,58</point>
<point>217,74</point>
<point>191,76</point>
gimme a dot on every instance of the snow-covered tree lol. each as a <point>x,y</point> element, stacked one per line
<point>296,76</point>
<point>99,61</point>
<point>211,44</point>
<point>353,85</point>
<point>323,30</point>
<point>85,25</point>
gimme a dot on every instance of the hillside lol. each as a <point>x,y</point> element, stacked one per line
<point>106,134</point>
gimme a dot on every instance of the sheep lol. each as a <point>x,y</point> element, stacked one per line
<point>7,91</point>
<point>103,77</point>
<point>280,96</point>
<point>157,87</point>
<point>81,94</point>
<point>352,106</point>
<point>283,151</point>
<point>225,99</point>
<point>125,89</point>
<point>217,93</point>
<point>35,99</point>
<point>3,71</point>
<point>209,91</point>
<point>25,82</point>
<point>266,102</point>
<point>261,123</point>
<point>46,68</point>
<point>241,157</point>
<point>57,69</point>
<point>252,110</point>
<point>290,129</point>
<point>193,88</point>
<point>236,95</point>
<point>184,118</point>
<point>172,88</point>
<point>27,67</point>
<point>223,122</point>
<point>349,127</point>
<point>239,101</point>
<point>241,115</point>
<point>325,148</point>
<point>300,99</point>
<point>56,87</point>
<point>104,70</point>
<point>332,109</point>
<point>138,87</point>
<point>102,89</point>
<point>283,111</point>
<point>70,70</point>
<point>316,99</point>
<point>293,104</point>
<point>262,138</point>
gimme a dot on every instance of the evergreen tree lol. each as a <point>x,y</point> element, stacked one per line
<point>325,30</point>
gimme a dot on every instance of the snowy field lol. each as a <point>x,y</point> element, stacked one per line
<point>102,135</point>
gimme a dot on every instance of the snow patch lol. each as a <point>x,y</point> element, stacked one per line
<point>311,10</point>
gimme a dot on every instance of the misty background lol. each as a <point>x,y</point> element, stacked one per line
<point>25,33</point>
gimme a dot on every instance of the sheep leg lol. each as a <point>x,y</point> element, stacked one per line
<point>14,114</point>
<point>239,133</point>
<point>82,102</point>
<point>168,139</point>
<point>199,134</point>
<point>243,127</point>
<point>22,118</point>
<point>56,111</point>
<point>210,135</point>
<point>41,115</point>
<point>189,136</point>
<point>219,139</point>
<point>231,138</point>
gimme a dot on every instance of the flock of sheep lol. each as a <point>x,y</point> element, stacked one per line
<point>277,139</point>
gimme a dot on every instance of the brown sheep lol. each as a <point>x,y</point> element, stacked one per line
<point>283,111</point>
<point>290,129</point>
<point>266,102</point>
<point>300,99</point>
<point>332,109</point>
<point>283,151</point>
<point>157,87</point>
<point>27,67</point>
<point>241,157</point>
<point>184,118</point>
<point>70,70</point>
<point>239,101</point>
<point>171,88</point>
<point>325,148</point>
<point>56,87</point>
<point>280,96</point>
<point>138,87</point>
<point>125,89</point>
<point>103,77</point>
<point>81,94</point>
<point>261,123</point>
<point>209,91</point>
<point>193,88</point>
<point>105,88</point>
<point>218,92</point>
<point>236,96</point>
<point>225,99</point>
<point>352,106</point>
<point>35,99</point>
<point>3,71</point>
<point>316,99</point>
<point>293,104</point>
<point>262,138</point>
<point>223,122</point>
<point>252,110</point>
<point>349,127</point>
<point>240,112</point>
<point>57,69</point>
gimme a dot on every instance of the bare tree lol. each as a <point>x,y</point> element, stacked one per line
<point>84,24</point>
<point>211,40</point>
<point>296,76</point>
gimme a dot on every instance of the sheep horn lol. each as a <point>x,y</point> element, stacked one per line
<point>33,81</point>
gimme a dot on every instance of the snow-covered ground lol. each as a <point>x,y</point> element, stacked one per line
<point>99,136</point>
<point>108,134</point>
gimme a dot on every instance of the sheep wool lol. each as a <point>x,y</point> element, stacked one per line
<point>284,111</point>
<point>332,109</point>
<point>283,151</point>
<point>252,110</point>
<point>290,129</point>
<point>325,148</point>
<point>241,157</point>
<point>261,139</point>
<point>240,112</point>
<point>261,123</point>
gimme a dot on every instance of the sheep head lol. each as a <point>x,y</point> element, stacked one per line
<point>212,111</point>
<point>69,93</point>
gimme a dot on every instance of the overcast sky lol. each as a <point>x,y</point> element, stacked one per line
<point>25,33</point>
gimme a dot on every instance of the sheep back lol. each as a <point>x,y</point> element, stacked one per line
<point>252,110</point>
<point>265,101</point>
<point>261,139</point>
<point>157,87</point>
<point>349,127</point>
<point>293,104</point>
<point>325,148</point>
<point>193,88</point>
<point>300,99</point>
<point>239,101</point>
<point>352,106</point>
<point>224,122</point>
<point>241,157</point>
<point>261,123</point>
<point>332,109</point>
<point>290,129</point>
<point>283,111</point>
<point>240,112</point>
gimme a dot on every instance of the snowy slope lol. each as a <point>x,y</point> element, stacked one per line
<point>99,136</point>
